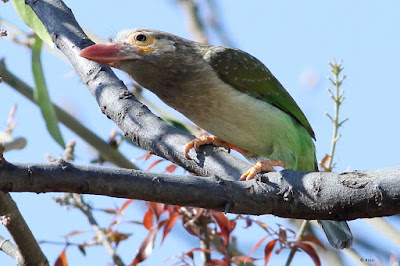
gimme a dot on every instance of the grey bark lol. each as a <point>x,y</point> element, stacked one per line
<point>290,194</point>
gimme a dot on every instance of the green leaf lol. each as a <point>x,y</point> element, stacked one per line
<point>176,124</point>
<point>30,19</point>
<point>42,96</point>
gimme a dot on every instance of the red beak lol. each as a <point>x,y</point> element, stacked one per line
<point>109,54</point>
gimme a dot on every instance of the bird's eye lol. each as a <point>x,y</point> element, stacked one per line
<point>140,38</point>
<point>145,42</point>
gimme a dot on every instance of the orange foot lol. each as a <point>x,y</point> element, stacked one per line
<point>261,166</point>
<point>197,142</point>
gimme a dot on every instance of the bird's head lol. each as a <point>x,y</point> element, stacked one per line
<point>145,53</point>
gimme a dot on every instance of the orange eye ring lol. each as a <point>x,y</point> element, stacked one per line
<point>143,41</point>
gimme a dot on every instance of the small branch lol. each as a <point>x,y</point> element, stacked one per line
<point>205,241</point>
<point>338,98</point>
<point>300,233</point>
<point>106,151</point>
<point>196,25</point>
<point>289,194</point>
<point>101,236</point>
<point>10,249</point>
<point>216,24</point>
<point>30,252</point>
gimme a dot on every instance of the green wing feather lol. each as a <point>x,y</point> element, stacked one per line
<point>246,73</point>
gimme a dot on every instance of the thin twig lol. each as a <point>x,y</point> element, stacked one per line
<point>100,234</point>
<point>196,25</point>
<point>337,97</point>
<point>300,233</point>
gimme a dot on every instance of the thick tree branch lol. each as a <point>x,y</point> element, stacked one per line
<point>291,194</point>
<point>287,194</point>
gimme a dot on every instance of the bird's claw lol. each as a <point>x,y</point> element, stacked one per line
<point>261,166</point>
<point>197,142</point>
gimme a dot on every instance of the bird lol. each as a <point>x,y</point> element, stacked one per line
<point>227,92</point>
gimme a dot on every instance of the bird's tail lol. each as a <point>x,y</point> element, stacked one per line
<point>338,233</point>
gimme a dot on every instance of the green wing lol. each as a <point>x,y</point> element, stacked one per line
<point>247,74</point>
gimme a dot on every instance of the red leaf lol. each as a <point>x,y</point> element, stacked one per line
<point>148,219</point>
<point>154,164</point>
<point>189,228</point>
<point>145,156</point>
<point>224,224</point>
<point>258,244</point>
<point>282,234</point>
<point>242,259</point>
<point>157,209</point>
<point>147,245</point>
<point>74,233</point>
<point>311,252</point>
<point>171,168</point>
<point>268,250</point>
<point>217,262</point>
<point>169,223</point>
<point>126,203</point>
<point>190,252</point>
<point>109,210</point>
<point>312,239</point>
<point>62,259</point>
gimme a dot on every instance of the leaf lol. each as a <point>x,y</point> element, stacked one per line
<point>126,203</point>
<point>62,259</point>
<point>74,233</point>
<point>41,94</point>
<point>119,212</point>
<point>29,17</point>
<point>268,250</point>
<point>171,168</point>
<point>109,210</point>
<point>154,164</point>
<point>148,219</point>
<point>282,234</point>
<point>147,245</point>
<point>257,244</point>
<point>217,262</point>
<point>82,249</point>
<point>177,124</point>
<point>243,260</point>
<point>145,156</point>
<point>249,222</point>
<point>311,252</point>
<point>117,237</point>
<point>224,224</point>
<point>157,208</point>
<point>190,252</point>
<point>312,239</point>
<point>169,223</point>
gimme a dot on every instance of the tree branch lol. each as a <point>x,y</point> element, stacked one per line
<point>118,104</point>
<point>100,234</point>
<point>105,150</point>
<point>289,194</point>
<point>10,249</point>
<point>29,250</point>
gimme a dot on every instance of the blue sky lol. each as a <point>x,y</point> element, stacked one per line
<point>293,38</point>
